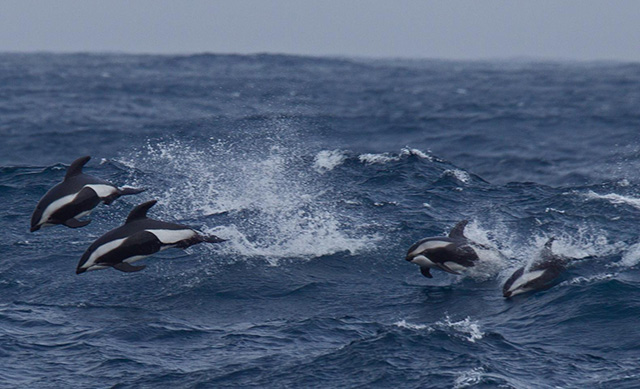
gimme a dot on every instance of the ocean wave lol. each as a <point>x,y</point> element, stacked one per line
<point>467,328</point>
<point>404,324</point>
<point>469,378</point>
<point>458,174</point>
<point>614,198</point>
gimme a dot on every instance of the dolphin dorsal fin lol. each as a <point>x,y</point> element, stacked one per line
<point>457,232</point>
<point>546,250</point>
<point>140,211</point>
<point>76,167</point>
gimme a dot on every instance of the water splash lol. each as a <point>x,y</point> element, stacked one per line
<point>327,160</point>
<point>507,252</point>
<point>271,197</point>
<point>630,257</point>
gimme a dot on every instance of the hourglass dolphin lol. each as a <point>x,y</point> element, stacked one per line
<point>138,238</point>
<point>451,253</point>
<point>76,196</point>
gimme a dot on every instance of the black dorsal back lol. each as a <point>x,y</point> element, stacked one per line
<point>76,166</point>
<point>457,232</point>
<point>140,212</point>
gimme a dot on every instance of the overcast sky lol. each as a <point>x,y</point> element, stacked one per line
<point>448,29</point>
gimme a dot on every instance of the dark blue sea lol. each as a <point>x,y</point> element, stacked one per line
<point>321,172</point>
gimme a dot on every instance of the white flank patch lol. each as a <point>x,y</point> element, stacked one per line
<point>56,205</point>
<point>95,267</point>
<point>135,258</point>
<point>172,236</point>
<point>102,250</point>
<point>83,214</point>
<point>102,190</point>
<point>525,278</point>
<point>422,261</point>
<point>455,266</point>
<point>430,245</point>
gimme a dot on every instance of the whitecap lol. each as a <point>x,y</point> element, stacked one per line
<point>614,198</point>
<point>404,324</point>
<point>587,280</point>
<point>377,158</point>
<point>469,378</point>
<point>327,160</point>
<point>630,257</point>
<point>458,174</point>
<point>419,153</point>
<point>469,329</point>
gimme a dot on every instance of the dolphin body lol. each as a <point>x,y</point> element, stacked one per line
<point>451,253</point>
<point>137,239</point>
<point>541,275</point>
<point>76,196</point>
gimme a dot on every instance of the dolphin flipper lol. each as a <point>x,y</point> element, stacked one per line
<point>127,267</point>
<point>75,223</point>
<point>425,272</point>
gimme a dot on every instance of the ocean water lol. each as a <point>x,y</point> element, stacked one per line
<point>321,172</point>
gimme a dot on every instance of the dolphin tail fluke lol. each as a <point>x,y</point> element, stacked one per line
<point>75,223</point>
<point>122,192</point>
<point>127,267</point>
<point>130,191</point>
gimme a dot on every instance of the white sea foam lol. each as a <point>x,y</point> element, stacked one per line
<point>377,158</point>
<point>383,158</point>
<point>419,153</point>
<point>404,324</point>
<point>271,198</point>
<point>614,198</point>
<point>491,260</point>
<point>582,243</point>
<point>467,328</point>
<point>469,378</point>
<point>588,280</point>
<point>327,160</point>
<point>630,257</point>
<point>508,251</point>
<point>458,174</point>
